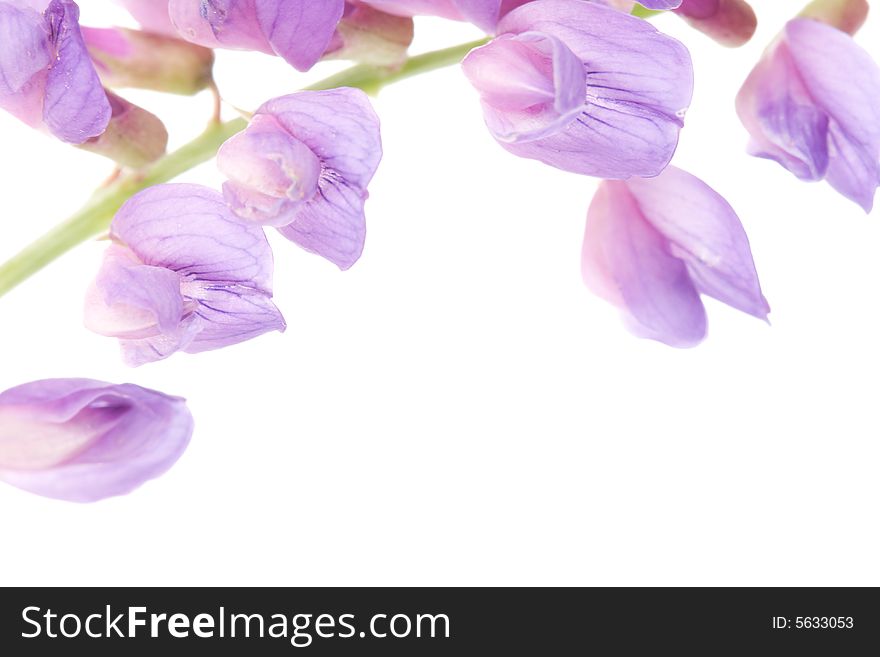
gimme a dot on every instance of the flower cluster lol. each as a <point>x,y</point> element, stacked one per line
<point>588,87</point>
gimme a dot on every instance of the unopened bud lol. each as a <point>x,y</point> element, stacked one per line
<point>130,58</point>
<point>134,137</point>
<point>371,37</point>
<point>730,22</point>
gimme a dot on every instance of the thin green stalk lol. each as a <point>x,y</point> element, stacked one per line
<point>95,216</point>
<point>642,12</point>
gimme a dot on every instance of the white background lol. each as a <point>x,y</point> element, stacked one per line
<point>458,409</point>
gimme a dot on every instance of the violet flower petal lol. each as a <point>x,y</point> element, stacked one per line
<point>705,232</point>
<point>270,172</point>
<point>81,440</point>
<point>627,262</point>
<point>531,85</point>
<point>775,106</point>
<point>297,30</point>
<point>333,227</point>
<point>653,245</point>
<point>151,296</point>
<point>662,5</point>
<point>25,55</point>
<point>75,108</point>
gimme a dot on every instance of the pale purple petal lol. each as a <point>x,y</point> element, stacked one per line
<point>270,172</point>
<point>332,226</point>
<point>705,232</point>
<point>844,82</point>
<point>75,108</point>
<point>627,262</point>
<point>132,300</point>
<point>229,314</point>
<point>482,13</point>
<point>778,111</point>
<point>299,30</point>
<point>219,23</point>
<point>662,5</point>
<point>639,84</point>
<point>531,85</point>
<point>81,440</point>
<point>189,229</point>
<point>140,351</point>
<point>25,54</point>
<point>340,126</point>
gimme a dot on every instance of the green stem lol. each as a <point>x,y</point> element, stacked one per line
<point>641,12</point>
<point>95,216</point>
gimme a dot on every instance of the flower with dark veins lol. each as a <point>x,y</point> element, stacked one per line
<point>303,166</point>
<point>584,88</point>
<point>182,274</point>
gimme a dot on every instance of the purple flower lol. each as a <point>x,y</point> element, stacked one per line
<point>182,274</point>
<point>82,441</point>
<point>297,30</point>
<point>303,166</point>
<point>653,246</point>
<point>813,104</point>
<point>584,88</point>
<point>46,77</point>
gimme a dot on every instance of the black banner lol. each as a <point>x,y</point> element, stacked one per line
<point>447,621</point>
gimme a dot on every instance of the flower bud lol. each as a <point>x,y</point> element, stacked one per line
<point>130,58</point>
<point>371,37</point>
<point>731,23</point>
<point>134,137</point>
<point>846,15</point>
